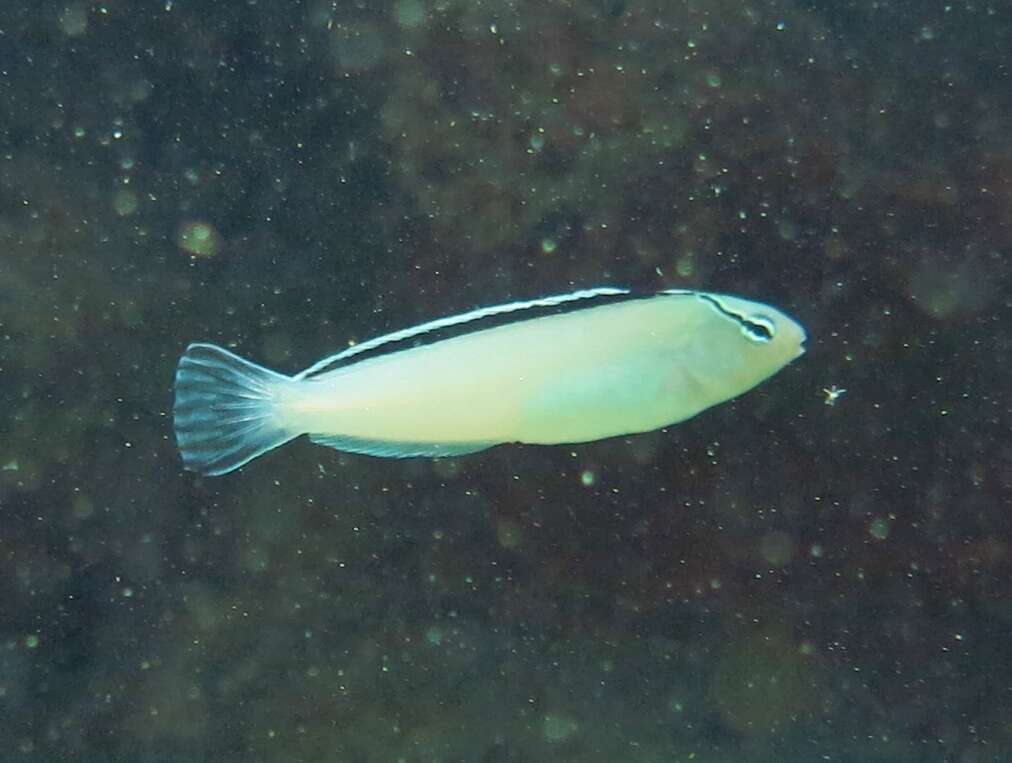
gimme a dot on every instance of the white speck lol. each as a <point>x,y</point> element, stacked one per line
<point>832,393</point>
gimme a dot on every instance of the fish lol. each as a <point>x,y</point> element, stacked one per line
<point>570,368</point>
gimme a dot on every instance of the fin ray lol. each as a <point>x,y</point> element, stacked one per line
<point>224,412</point>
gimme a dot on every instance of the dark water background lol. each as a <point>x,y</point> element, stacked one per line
<point>776,580</point>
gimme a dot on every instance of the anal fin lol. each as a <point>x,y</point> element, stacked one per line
<point>394,449</point>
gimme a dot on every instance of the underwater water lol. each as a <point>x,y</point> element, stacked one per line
<point>817,570</point>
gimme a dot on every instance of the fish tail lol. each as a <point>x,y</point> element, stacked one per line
<point>225,411</point>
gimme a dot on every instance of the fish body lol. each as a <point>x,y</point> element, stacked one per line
<point>565,369</point>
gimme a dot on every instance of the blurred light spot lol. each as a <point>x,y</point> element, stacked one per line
<point>124,202</point>
<point>942,289</point>
<point>410,14</point>
<point>74,20</point>
<point>777,548</point>
<point>763,683</point>
<point>509,534</point>
<point>558,728</point>
<point>199,239</point>
<point>879,528</point>
<point>434,636</point>
<point>359,47</point>
<point>83,507</point>
<point>685,265</point>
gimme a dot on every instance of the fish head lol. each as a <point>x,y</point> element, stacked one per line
<point>743,342</point>
<point>765,329</point>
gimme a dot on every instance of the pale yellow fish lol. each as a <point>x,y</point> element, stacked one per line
<point>564,369</point>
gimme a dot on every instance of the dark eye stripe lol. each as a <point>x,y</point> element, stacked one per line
<point>756,328</point>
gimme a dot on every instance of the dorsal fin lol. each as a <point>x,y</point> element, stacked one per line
<point>389,342</point>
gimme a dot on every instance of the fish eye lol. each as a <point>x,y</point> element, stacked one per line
<point>758,329</point>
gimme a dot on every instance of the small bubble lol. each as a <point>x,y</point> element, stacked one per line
<point>713,79</point>
<point>588,478</point>
<point>548,245</point>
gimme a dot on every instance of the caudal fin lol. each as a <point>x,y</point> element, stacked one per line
<point>225,411</point>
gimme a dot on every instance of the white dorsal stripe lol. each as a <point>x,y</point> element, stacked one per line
<point>456,320</point>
